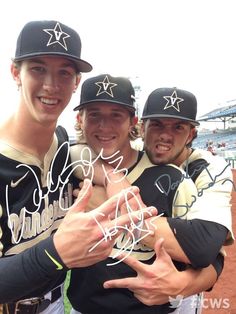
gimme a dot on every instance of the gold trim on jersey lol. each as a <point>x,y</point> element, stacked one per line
<point>143,164</point>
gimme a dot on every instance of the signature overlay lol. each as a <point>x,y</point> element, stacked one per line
<point>135,231</point>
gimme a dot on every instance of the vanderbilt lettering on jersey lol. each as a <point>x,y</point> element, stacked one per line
<point>138,250</point>
<point>33,197</point>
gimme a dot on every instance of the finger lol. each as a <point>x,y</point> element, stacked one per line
<point>159,249</point>
<point>161,253</point>
<point>138,266</point>
<point>83,197</point>
<point>132,262</point>
<point>76,192</point>
<point>81,184</point>
<point>132,219</point>
<point>112,204</point>
<point>120,283</point>
<point>133,204</point>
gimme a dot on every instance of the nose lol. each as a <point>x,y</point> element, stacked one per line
<point>51,84</point>
<point>104,122</point>
<point>166,135</point>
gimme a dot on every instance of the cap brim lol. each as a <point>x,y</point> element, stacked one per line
<point>82,105</point>
<point>153,116</point>
<point>82,66</point>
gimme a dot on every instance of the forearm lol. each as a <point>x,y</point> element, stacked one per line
<point>203,280</point>
<point>200,240</point>
<point>30,273</point>
<point>162,228</point>
<point>171,245</point>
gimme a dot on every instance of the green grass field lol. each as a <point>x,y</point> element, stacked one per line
<point>66,301</point>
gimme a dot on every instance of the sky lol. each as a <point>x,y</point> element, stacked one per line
<point>189,44</point>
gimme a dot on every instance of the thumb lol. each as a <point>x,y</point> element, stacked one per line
<point>161,253</point>
<point>83,197</point>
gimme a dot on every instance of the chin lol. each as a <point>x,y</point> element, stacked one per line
<point>106,152</point>
<point>160,160</point>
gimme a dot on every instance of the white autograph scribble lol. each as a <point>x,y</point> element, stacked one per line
<point>86,163</point>
<point>133,230</point>
<point>58,183</point>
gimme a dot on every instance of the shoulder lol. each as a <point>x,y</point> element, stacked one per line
<point>61,133</point>
<point>203,162</point>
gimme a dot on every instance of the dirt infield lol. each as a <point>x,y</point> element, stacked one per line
<point>222,299</point>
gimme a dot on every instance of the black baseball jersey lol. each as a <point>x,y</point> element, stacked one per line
<point>34,197</point>
<point>160,186</point>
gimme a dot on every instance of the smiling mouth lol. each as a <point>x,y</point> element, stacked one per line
<point>163,148</point>
<point>105,139</point>
<point>50,102</point>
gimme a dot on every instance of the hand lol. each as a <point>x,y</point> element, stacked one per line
<point>118,182</point>
<point>98,197</point>
<point>154,283</point>
<point>83,238</point>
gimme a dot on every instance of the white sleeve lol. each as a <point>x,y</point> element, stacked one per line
<point>213,203</point>
<point>185,197</point>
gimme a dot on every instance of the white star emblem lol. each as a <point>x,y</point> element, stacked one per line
<point>57,36</point>
<point>105,87</point>
<point>173,101</point>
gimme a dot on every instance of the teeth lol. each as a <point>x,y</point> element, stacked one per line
<point>49,101</point>
<point>103,138</point>
<point>164,148</point>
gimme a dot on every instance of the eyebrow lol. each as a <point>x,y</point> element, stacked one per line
<point>178,122</point>
<point>120,110</point>
<point>67,63</point>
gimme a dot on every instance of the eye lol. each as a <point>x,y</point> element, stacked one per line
<point>93,114</point>
<point>179,127</point>
<point>38,69</point>
<point>155,124</point>
<point>117,115</point>
<point>67,73</point>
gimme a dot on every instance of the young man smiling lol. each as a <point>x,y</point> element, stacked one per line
<point>42,233</point>
<point>106,120</point>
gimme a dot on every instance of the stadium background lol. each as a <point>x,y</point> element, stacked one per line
<point>224,134</point>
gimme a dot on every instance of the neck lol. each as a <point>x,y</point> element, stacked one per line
<point>31,137</point>
<point>127,160</point>
<point>183,156</point>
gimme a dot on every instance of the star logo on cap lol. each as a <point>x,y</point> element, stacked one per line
<point>57,36</point>
<point>173,101</point>
<point>105,87</point>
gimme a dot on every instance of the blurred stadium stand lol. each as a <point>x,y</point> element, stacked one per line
<point>220,141</point>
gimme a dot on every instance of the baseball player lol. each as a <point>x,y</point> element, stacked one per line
<point>37,243</point>
<point>107,117</point>
<point>169,127</point>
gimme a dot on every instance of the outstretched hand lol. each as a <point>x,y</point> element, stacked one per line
<point>154,283</point>
<point>84,238</point>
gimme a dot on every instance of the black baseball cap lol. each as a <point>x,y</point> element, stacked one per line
<point>171,103</point>
<point>39,38</point>
<point>107,88</point>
